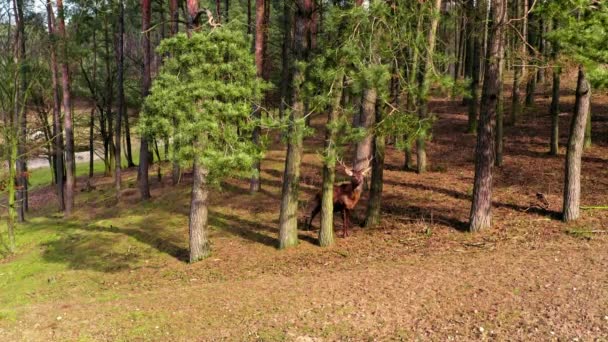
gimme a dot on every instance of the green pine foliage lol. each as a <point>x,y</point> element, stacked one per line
<point>582,35</point>
<point>207,88</point>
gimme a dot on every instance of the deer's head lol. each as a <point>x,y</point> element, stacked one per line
<point>356,175</point>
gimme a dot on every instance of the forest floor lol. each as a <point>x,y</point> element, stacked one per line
<point>116,271</point>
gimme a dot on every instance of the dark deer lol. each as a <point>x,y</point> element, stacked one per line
<point>346,195</point>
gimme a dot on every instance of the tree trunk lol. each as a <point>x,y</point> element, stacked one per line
<point>572,184</point>
<point>285,58</point>
<point>70,165</point>
<point>554,149</point>
<point>199,243</point>
<point>473,102</point>
<point>121,98</point>
<point>480,217</point>
<point>469,43</point>
<point>57,129</point>
<point>288,219</point>
<point>174,28</point>
<point>500,107</point>
<point>106,118</point>
<point>519,74</point>
<point>368,118</point>
<point>144,185</point>
<point>259,47</point>
<point>424,86</point>
<point>21,113</point>
<point>218,10</point>
<point>326,233</point>
<point>375,192</point>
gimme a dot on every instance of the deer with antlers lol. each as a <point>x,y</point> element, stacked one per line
<point>346,195</point>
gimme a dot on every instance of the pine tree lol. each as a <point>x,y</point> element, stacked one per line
<point>202,97</point>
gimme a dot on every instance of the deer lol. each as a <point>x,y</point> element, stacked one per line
<point>346,195</point>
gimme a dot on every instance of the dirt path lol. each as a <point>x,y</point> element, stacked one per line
<point>506,294</point>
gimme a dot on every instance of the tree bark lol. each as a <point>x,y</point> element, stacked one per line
<point>21,113</point>
<point>326,233</point>
<point>519,74</point>
<point>500,107</point>
<point>286,58</point>
<point>57,129</point>
<point>554,148</point>
<point>121,99</point>
<point>480,217</point>
<point>288,219</point>
<point>144,185</point>
<point>572,184</point>
<point>199,243</point>
<point>424,85</point>
<point>260,48</point>
<point>368,118</point>
<point>70,165</point>
<point>374,203</point>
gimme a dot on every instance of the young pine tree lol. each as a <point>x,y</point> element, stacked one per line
<point>202,97</point>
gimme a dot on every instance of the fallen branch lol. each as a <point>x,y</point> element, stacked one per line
<point>599,207</point>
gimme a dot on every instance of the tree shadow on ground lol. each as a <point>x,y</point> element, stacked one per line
<point>459,195</point>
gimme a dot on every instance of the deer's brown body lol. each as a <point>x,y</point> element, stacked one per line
<point>346,196</point>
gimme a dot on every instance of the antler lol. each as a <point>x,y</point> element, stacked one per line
<point>368,167</point>
<point>348,170</point>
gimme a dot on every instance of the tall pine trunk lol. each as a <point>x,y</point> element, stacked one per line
<point>500,107</point>
<point>286,58</point>
<point>519,75</point>
<point>424,86</point>
<point>326,233</point>
<point>260,48</point>
<point>374,203</point>
<point>572,183</point>
<point>121,98</point>
<point>57,129</point>
<point>21,113</point>
<point>480,217</point>
<point>70,165</point>
<point>554,145</point>
<point>144,158</point>
<point>288,219</point>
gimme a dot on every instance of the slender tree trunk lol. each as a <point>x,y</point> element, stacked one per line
<point>412,99</point>
<point>57,129</point>
<point>368,118</point>
<point>144,160</point>
<point>218,10</point>
<point>473,102</point>
<point>469,45</point>
<point>374,203</point>
<point>285,58</point>
<point>106,118</point>
<point>174,14</point>
<point>259,47</point>
<point>21,113</point>
<point>121,98</point>
<point>500,109</point>
<point>326,233</point>
<point>480,217</point>
<point>519,74</point>
<point>554,149</point>
<point>67,117</point>
<point>424,85</point>
<point>572,184</point>
<point>199,242</point>
<point>288,219</point>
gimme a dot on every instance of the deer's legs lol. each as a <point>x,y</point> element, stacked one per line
<point>314,213</point>
<point>345,222</point>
